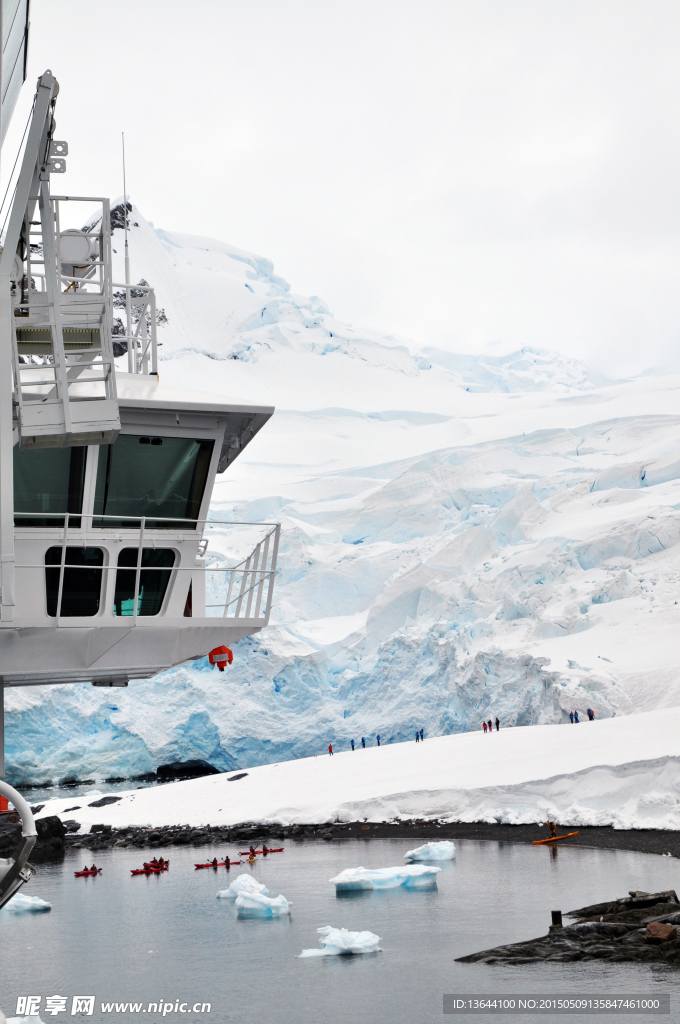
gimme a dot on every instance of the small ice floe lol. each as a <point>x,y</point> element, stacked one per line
<point>444,850</point>
<point>340,942</point>
<point>21,904</point>
<point>410,876</point>
<point>256,904</point>
<point>242,884</point>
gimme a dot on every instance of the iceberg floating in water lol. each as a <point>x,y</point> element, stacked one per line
<point>256,904</point>
<point>410,876</point>
<point>444,850</point>
<point>242,884</point>
<point>341,942</point>
<point>21,904</point>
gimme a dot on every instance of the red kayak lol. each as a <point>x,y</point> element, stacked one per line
<point>86,874</point>
<point>146,871</point>
<point>158,867</point>
<point>220,864</point>
<point>246,853</point>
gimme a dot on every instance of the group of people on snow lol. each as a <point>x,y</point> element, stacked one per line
<point>488,726</point>
<point>573,716</point>
<point>420,738</point>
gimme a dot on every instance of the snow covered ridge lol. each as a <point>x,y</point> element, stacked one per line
<point>449,554</point>
<point>622,771</point>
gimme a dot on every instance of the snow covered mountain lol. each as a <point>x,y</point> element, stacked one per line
<point>463,537</point>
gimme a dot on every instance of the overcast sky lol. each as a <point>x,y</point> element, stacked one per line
<point>473,174</point>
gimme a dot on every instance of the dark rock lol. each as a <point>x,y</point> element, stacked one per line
<point>37,809</point>
<point>67,809</point>
<point>194,769</point>
<point>100,828</point>
<point>235,778</point>
<point>104,801</point>
<point>51,827</point>
<point>71,825</point>
<point>616,932</point>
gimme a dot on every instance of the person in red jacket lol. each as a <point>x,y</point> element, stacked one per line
<point>330,749</point>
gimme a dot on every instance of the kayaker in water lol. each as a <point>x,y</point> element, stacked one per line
<point>214,862</point>
<point>253,851</point>
<point>93,868</point>
<point>264,849</point>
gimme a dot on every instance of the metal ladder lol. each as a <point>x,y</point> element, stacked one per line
<point>64,385</point>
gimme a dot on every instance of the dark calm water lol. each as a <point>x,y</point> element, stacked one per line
<point>167,937</point>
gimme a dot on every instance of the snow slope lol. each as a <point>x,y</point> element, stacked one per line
<point>463,537</point>
<point>620,771</point>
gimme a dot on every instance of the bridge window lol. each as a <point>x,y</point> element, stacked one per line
<point>154,577</point>
<point>152,476</point>
<point>48,480</point>
<point>81,592</point>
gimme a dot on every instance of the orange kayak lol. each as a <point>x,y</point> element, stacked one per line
<point>553,839</point>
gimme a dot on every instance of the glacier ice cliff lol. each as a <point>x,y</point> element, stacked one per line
<point>463,538</point>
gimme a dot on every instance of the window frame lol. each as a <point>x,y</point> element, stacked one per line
<point>135,430</point>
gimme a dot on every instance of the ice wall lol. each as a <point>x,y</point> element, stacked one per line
<point>464,538</point>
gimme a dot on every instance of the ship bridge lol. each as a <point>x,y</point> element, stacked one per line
<point>112,566</point>
<point>120,570</point>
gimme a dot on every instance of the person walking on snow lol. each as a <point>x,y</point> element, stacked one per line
<point>490,726</point>
<point>352,742</point>
<point>484,727</point>
<point>417,736</point>
<point>422,738</point>
<point>498,725</point>
<point>378,739</point>
<point>576,717</point>
<point>571,717</point>
<point>363,742</point>
<point>330,749</point>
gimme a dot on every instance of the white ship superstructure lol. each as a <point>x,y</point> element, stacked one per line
<point>111,567</point>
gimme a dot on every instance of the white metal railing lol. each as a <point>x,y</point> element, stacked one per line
<point>142,343</point>
<point>237,591</point>
<point>62,319</point>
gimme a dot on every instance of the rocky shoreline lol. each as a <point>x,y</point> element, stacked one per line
<point>640,927</point>
<point>58,835</point>
<point>639,840</point>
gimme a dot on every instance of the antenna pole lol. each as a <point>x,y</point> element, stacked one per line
<point>128,306</point>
